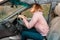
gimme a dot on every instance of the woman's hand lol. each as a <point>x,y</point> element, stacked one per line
<point>22,16</point>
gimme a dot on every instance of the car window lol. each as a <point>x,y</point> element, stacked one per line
<point>46,8</point>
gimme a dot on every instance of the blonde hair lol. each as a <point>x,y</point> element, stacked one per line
<point>37,7</point>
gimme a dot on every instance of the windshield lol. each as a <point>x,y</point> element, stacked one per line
<point>6,11</point>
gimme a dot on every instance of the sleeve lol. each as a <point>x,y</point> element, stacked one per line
<point>33,21</point>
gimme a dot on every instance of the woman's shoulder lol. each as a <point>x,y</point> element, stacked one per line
<point>38,13</point>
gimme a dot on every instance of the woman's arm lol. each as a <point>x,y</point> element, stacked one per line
<point>33,21</point>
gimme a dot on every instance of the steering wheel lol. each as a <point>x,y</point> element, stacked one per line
<point>20,24</point>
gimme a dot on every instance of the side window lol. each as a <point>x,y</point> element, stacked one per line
<point>46,8</point>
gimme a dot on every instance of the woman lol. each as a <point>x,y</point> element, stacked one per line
<point>38,22</point>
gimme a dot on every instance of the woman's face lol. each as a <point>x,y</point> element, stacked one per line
<point>32,9</point>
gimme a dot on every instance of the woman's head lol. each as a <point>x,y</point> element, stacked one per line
<point>36,7</point>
